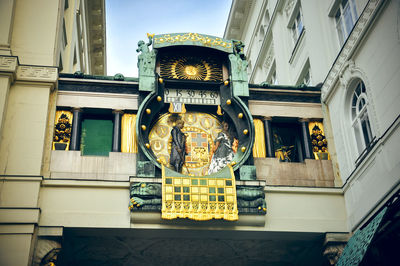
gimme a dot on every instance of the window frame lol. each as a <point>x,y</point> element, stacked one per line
<point>298,20</point>
<point>360,117</point>
<point>343,29</point>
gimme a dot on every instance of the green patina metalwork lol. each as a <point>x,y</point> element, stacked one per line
<point>358,244</point>
<point>194,39</point>
<point>247,172</point>
<point>145,169</point>
<point>146,65</point>
<point>146,196</point>
<point>239,66</point>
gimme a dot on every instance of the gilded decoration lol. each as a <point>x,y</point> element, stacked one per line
<point>147,196</point>
<point>62,130</point>
<point>193,39</point>
<point>318,141</point>
<point>200,130</point>
<point>128,133</point>
<point>190,68</point>
<point>199,198</point>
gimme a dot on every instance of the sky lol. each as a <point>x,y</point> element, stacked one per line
<point>128,21</point>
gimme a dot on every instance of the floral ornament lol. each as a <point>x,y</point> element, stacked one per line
<point>62,131</point>
<point>318,140</point>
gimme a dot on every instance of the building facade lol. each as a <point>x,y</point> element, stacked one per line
<point>83,156</point>
<point>38,40</point>
<point>351,50</point>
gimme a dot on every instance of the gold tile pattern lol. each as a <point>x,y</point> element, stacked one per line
<point>199,197</point>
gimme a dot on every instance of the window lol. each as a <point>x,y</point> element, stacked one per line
<point>360,118</point>
<point>307,78</point>
<point>297,27</point>
<point>345,17</point>
<point>271,77</point>
<point>273,80</point>
<point>64,34</point>
<point>286,141</point>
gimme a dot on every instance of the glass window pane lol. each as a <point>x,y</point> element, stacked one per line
<point>359,140</point>
<point>366,128</point>
<point>358,89</point>
<point>348,20</point>
<point>300,27</point>
<point>353,112</point>
<point>340,30</point>
<point>361,104</point>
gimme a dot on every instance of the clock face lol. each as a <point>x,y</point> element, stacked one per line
<point>190,68</point>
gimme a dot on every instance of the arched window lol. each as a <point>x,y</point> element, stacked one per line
<point>360,117</point>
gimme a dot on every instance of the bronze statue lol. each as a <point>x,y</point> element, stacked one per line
<point>178,145</point>
<point>146,59</point>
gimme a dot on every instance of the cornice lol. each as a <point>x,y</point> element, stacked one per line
<point>8,63</point>
<point>348,49</point>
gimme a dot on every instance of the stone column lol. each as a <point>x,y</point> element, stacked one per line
<point>116,144</point>
<point>269,144</point>
<point>305,133</point>
<point>76,130</point>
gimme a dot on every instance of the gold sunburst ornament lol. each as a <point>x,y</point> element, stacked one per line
<point>190,68</point>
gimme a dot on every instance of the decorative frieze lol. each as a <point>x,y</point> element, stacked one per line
<point>350,45</point>
<point>35,73</point>
<point>8,63</point>
<point>289,7</point>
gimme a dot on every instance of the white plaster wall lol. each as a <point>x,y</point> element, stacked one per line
<point>379,175</point>
<point>377,62</point>
<point>379,58</point>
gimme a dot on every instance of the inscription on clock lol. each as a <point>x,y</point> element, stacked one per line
<point>188,96</point>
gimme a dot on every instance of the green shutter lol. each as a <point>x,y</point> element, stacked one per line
<point>96,137</point>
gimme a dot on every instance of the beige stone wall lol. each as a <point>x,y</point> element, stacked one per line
<point>34,32</point>
<point>19,213</point>
<point>22,141</point>
<point>305,209</point>
<point>285,109</point>
<point>289,209</point>
<point>117,166</point>
<point>310,173</point>
<point>84,203</point>
<point>15,248</point>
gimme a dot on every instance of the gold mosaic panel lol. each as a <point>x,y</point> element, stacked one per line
<point>199,198</point>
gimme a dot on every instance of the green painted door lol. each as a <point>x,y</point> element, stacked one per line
<point>96,137</point>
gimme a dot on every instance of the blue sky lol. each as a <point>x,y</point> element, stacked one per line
<point>128,21</point>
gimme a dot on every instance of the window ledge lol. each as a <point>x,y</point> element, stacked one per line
<point>297,45</point>
<point>366,151</point>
